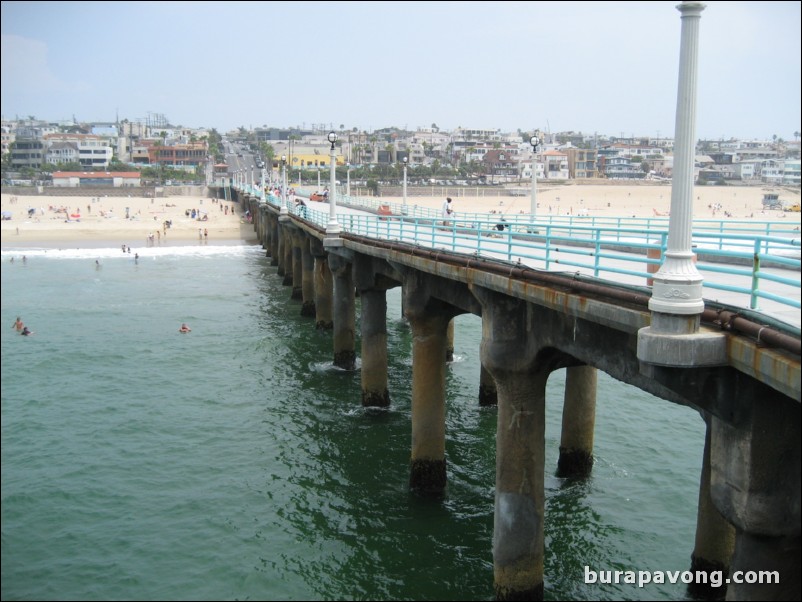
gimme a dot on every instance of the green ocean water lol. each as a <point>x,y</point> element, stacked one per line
<point>234,463</point>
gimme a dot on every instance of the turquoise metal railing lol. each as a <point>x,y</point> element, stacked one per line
<point>760,259</point>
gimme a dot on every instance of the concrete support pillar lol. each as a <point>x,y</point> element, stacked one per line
<point>429,341</point>
<point>450,342</point>
<point>374,348</point>
<point>279,257</point>
<point>428,317</point>
<point>323,286</point>
<point>344,311</point>
<point>715,537</point>
<point>258,224</point>
<point>776,558</point>
<point>509,353</point>
<point>286,242</point>
<point>579,420</point>
<point>275,243</point>
<point>307,278</point>
<point>755,484</point>
<point>264,223</point>
<point>264,232</point>
<point>298,239</point>
<point>518,534</point>
<point>488,395</point>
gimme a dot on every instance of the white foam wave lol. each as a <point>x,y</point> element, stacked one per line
<point>143,252</point>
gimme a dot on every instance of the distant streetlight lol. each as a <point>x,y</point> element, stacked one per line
<point>283,211</point>
<point>264,184</point>
<point>535,142</point>
<point>317,167</point>
<point>332,238</point>
<point>347,179</point>
<point>404,210</point>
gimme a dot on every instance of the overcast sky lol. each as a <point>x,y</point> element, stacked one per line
<point>606,67</point>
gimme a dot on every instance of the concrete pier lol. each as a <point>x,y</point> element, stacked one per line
<point>286,241</point>
<point>374,348</point>
<point>298,239</point>
<point>450,342</point>
<point>715,537</point>
<point>279,257</point>
<point>428,318</point>
<point>307,278</point>
<point>488,395</point>
<point>755,484</point>
<point>509,354</point>
<point>428,462</point>
<point>579,422</point>
<point>275,245</point>
<point>344,312</point>
<point>745,384</point>
<point>323,286</point>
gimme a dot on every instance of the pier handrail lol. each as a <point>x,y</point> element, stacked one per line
<point>759,266</point>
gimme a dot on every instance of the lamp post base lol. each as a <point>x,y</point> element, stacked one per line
<point>332,238</point>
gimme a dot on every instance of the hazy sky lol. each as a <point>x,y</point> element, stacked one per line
<point>606,67</point>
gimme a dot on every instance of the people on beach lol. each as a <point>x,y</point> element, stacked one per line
<point>18,325</point>
<point>184,328</point>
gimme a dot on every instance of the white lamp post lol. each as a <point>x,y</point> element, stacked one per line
<point>535,142</point>
<point>348,179</point>
<point>332,238</point>
<point>674,337</point>
<point>317,167</point>
<point>264,185</point>
<point>283,211</point>
<point>678,284</point>
<point>404,210</point>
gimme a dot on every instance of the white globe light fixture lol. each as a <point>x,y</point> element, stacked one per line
<point>535,142</point>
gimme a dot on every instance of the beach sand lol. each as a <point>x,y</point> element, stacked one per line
<point>619,200</point>
<point>102,219</point>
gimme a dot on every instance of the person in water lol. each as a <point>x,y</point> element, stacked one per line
<point>184,328</point>
<point>25,332</point>
<point>18,325</point>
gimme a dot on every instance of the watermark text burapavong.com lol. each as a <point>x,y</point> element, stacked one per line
<point>712,578</point>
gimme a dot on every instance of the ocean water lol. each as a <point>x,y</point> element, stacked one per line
<point>234,463</point>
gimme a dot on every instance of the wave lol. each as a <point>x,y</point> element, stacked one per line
<point>18,254</point>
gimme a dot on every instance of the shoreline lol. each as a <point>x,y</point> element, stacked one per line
<point>61,244</point>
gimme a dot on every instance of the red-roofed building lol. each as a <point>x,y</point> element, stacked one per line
<point>117,179</point>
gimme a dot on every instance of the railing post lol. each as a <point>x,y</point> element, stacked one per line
<point>547,242</point>
<point>753,297</point>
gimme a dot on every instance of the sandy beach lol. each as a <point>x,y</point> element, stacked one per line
<point>620,200</point>
<point>103,219</point>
